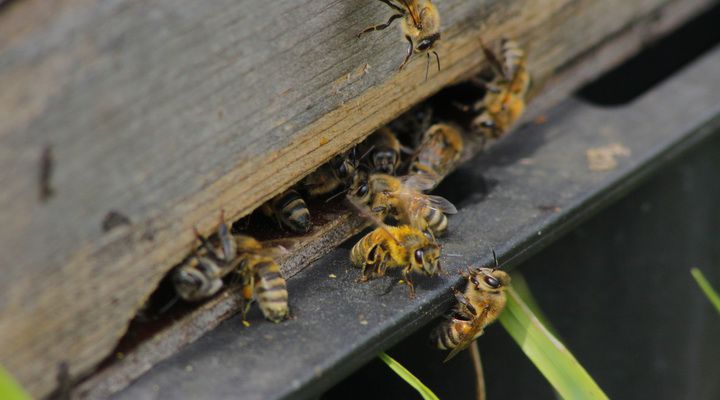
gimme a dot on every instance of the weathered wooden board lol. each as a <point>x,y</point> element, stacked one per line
<point>167,111</point>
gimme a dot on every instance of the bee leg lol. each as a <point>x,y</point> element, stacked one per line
<point>393,6</point>
<point>381,26</point>
<point>411,286</point>
<point>382,267</point>
<point>247,295</point>
<point>410,48</point>
<point>228,244</point>
<point>460,297</point>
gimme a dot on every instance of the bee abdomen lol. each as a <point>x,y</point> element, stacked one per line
<point>271,291</point>
<point>447,336</point>
<point>437,221</point>
<point>357,253</point>
<point>292,211</point>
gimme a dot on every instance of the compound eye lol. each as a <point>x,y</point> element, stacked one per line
<point>342,170</point>
<point>362,191</point>
<point>419,256</point>
<point>487,124</point>
<point>492,282</point>
<point>424,45</point>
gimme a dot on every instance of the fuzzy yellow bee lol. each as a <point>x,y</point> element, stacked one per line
<point>420,23</point>
<point>440,148</point>
<point>404,247</point>
<point>401,198</point>
<point>478,306</point>
<point>504,101</point>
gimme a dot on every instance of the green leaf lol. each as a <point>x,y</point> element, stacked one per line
<point>548,354</point>
<point>706,288</point>
<point>424,391</point>
<point>9,388</point>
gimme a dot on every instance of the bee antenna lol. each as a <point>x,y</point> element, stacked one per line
<point>169,304</point>
<point>336,195</point>
<point>437,57</point>
<point>367,152</point>
<point>427,66</point>
<point>497,265</point>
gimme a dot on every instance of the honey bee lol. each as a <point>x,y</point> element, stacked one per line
<point>262,279</point>
<point>202,276</point>
<point>401,246</point>
<point>289,210</point>
<point>481,303</point>
<point>339,173</point>
<point>438,152</point>
<point>504,100</point>
<point>401,198</point>
<point>420,26</point>
<point>384,151</point>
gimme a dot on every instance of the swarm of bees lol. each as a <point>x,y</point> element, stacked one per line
<point>385,180</point>
<point>253,262</point>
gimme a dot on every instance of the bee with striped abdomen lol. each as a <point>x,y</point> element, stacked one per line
<point>201,276</point>
<point>504,100</point>
<point>420,26</point>
<point>262,279</point>
<point>438,151</point>
<point>404,247</point>
<point>478,306</point>
<point>401,199</point>
<point>289,210</point>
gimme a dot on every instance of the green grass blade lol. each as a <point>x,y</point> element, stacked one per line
<point>519,283</point>
<point>548,354</point>
<point>424,391</point>
<point>706,288</point>
<point>9,388</point>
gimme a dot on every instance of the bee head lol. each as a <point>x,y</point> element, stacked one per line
<point>427,43</point>
<point>427,259</point>
<point>384,161</point>
<point>491,280</point>
<point>361,188</point>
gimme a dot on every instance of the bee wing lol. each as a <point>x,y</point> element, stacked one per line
<point>278,247</point>
<point>441,204</point>
<point>420,183</point>
<point>411,6</point>
<point>497,66</point>
<point>477,327</point>
<point>367,213</point>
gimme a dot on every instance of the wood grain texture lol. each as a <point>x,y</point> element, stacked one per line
<point>168,110</point>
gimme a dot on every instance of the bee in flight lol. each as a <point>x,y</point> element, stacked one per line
<point>383,151</point>
<point>253,261</point>
<point>479,305</point>
<point>438,151</point>
<point>402,199</point>
<point>289,210</point>
<point>401,246</point>
<point>420,26</point>
<point>504,100</point>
